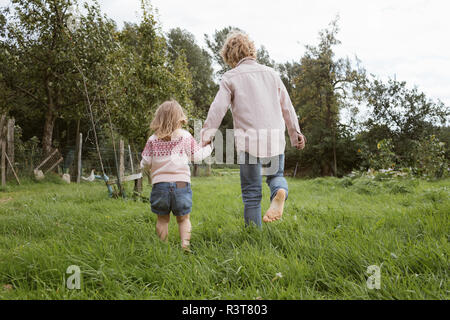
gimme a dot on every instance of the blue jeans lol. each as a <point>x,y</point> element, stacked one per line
<point>251,183</point>
<point>166,197</point>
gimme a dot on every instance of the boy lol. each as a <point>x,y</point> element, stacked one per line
<point>261,110</point>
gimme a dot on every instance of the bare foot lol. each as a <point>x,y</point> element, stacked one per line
<point>276,207</point>
<point>186,248</point>
<point>185,245</point>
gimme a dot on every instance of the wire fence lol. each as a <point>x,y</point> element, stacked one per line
<point>27,157</point>
<point>27,160</point>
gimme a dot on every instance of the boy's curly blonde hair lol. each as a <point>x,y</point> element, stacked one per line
<point>237,46</point>
<point>168,117</point>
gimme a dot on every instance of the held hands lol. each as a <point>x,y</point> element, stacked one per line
<point>301,141</point>
<point>205,143</point>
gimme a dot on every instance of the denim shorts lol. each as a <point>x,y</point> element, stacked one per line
<point>165,197</point>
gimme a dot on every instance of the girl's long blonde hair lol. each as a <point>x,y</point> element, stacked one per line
<point>168,117</point>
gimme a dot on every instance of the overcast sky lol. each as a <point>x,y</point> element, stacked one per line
<point>405,38</point>
<point>408,39</point>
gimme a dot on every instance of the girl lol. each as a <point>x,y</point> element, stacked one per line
<point>261,110</point>
<point>167,154</point>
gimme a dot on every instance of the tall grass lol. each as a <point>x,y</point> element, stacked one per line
<point>332,230</point>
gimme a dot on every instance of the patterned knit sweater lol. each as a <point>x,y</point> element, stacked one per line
<point>169,160</point>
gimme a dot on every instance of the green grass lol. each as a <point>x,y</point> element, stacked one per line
<point>331,232</point>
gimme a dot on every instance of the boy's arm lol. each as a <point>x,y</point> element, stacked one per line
<point>216,112</point>
<point>290,118</point>
<point>196,152</point>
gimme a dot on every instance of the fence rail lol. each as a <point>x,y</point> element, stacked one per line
<point>20,159</point>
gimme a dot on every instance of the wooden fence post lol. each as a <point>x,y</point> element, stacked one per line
<point>131,159</point>
<point>2,123</point>
<point>3,163</point>
<point>121,159</point>
<point>3,149</point>
<point>138,185</point>
<point>10,145</point>
<point>295,171</point>
<point>195,171</point>
<point>80,146</point>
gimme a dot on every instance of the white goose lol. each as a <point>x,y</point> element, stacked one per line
<point>90,178</point>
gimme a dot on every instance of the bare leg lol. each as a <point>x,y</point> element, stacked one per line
<point>162,226</point>
<point>184,226</point>
<point>276,207</point>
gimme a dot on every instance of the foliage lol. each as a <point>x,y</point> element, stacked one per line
<point>401,114</point>
<point>430,160</point>
<point>46,64</point>
<point>50,73</point>
<point>145,76</point>
<point>319,91</point>
<point>38,61</point>
<point>288,72</point>
<point>200,66</point>
<point>383,158</point>
<point>26,153</point>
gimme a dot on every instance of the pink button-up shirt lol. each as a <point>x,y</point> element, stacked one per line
<point>260,106</point>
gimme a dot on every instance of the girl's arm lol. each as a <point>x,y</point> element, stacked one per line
<point>146,162</point>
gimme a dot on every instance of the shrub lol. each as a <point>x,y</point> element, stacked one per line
<point>383,158</point>
<point>26,153</point>
<point>429,158</point>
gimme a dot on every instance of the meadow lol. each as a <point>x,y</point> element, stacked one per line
<point>331,232</point>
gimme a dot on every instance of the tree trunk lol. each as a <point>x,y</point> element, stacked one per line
<point>50,117</point>
<point>326,168</point>
<point>47,137</point>
<point>79,150</point>
<point>10,146</point>
<point>77,147</point>
<point>2,123</point>
<point>121,159</point>
<point>334,155</point>
<point>3,160</point>
<point>195,173</point>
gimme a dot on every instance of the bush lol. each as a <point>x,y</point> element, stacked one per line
<point>429,158</point>
<point>26,153</point>
<point>385,157</point>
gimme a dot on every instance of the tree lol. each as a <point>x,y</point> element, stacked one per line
<point>406,115</point>
<point>215,44</point>
<point>288,72</point>
<point>41,60</point>
<point>200,65</point>
<point>263,57</point>
<point>145,76</point>
<point>320,91</point>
